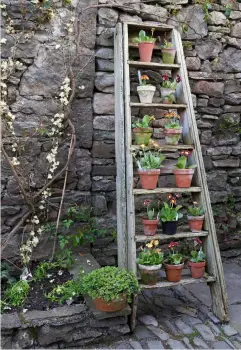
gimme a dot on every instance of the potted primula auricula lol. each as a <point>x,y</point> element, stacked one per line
<point>145,91</point>
<point>197,261</point>
<point>168,89</point>
<point>150,221</point>
<point>168,52</point>
<point>150,262</point>
<point>195,217</point>
<point>142,130</point>
<point>172,129</point>
<point>109,287</point>
<point>173,263</point>
<point>183,172</point>
<point>145,44</point>
<point>169,215</point>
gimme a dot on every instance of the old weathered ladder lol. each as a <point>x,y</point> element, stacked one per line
<point>127,232</point>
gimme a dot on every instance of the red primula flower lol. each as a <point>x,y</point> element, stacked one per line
<point>146,202</point>
<point>178,78</point>
<point>173,245</point>
<point>197,240</point>
<point>165,77</point>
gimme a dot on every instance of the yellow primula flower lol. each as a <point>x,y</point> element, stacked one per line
<point>156,242</point>
<point>149,245</point>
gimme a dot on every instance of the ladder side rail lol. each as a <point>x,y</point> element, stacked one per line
<point>120,150</point>
<point>218,289</point>
<point>130,205</point>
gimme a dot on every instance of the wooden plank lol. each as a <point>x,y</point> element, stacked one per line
<point>184,280</point>
<point>214,262</point>
<point>130,205</point>
<point>160,236</point>
<point>165,147</point>
<point>139,191</point>
<point>120,151</point>
<point>153,65</point>
<point>143,25</point>
<point>161,105</point>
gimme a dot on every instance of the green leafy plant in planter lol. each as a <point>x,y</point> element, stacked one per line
<point>173,263</point>
<point>197,261</point>
<point>195,217</point>
<point>169,215</point>
<point>145,44</point>
<point>150,221</point>
<point>110,287</point>
<point>142,131</point>
<point>142,37</point>
<point>168,52</point>
<point>42,269</point>
<point>168,88</point>
<point>65,292</point>
<point>183,172</point>
<point>16,294</point>
<point>172,129</point>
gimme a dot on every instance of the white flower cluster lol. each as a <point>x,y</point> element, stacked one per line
<point>64,94</point>
<point>57,121</point>
<point>51,158</point>
<point>45,195</point>
<point>27,248</point>
<point>69,26</point>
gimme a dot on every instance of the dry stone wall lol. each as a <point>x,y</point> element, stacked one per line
<point>213,58</point>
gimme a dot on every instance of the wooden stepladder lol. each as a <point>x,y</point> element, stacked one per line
<point>126,107</point>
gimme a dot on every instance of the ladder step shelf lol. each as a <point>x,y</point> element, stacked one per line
<point>165,147</point>
<point>161,236</point>
<point>165,66</point>
<point>184,280</point>
<point>161,105</point>
<point>166,190</point>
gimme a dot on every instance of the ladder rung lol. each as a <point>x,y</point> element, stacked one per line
<point>161,27</point>
<point>153,65</point>
<point>166,190</point>
<point>161,236</point>
<point>161,105</point>
<point>184,280</point>
<point>166,147</point>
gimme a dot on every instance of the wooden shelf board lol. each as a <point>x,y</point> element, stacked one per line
<point>165,147</point>
<point>154,65</point>
<point>184,280</point>
<point>161,105</point>
<point>161,236</point>
<point>161,26</point>
<point>166,190</point>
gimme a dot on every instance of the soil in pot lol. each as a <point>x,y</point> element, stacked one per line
<point>172,136</point>
<point>168,96</point>
<point>110,306</point>
<point>169,227</point>
<point>145,51</point>
<point>150,275</point>
<point>146,93</point>
<point>195,223</point>
<point>149,178</point>
<point>142,135</point>
<point>197,268</point>
<point>168,55</point>
<point>183,177</point>
<point>150,226</point>
<point>173,272</point>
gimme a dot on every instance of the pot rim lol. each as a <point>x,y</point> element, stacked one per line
<point>146,42</point>
<point>143,130</point>
<point>196,264</point>
<point>171,49</point>
<point>149,267</point>
<point>146,87</point>
<point>193,218</point>
<point>173,267</point>
<point>164,222</point>
<point>149,172</point>
<point>183,171</point>
<point>166,88</point>
<point>172,131</point>
<point>122,296</point>
<point>150,222</point>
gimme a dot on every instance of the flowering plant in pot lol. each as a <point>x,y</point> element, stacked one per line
<point>150,221</point>
<point>145,44</point>
<point>173,263</point>
<point>150,262</point>
<point>172,129</point>
<point>197,261</point>
<point>142,131</point>
<point>109,287</point>
<point>168,52</point>
<point>169,216</point>
<point>145,90</point>
<point>168,88</point>
<point>195,218</point>
<point>183,172</point>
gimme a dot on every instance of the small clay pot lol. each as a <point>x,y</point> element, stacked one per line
<point>150,274</point>
<point>195,223</point>
<point>169,227</point>
<point>168,55</point>
<point>183,177</point>
<point>111,306</point>
<point>173,272</point>
<point>168,95</point>
<point>150,226</point>
<point>197,268</point>
<point>145,51</point>
<point>149,178</point>
<point>142,135</point>
<point>146,93</point>
<point>172,136</point>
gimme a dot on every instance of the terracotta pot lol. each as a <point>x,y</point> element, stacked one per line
<point>142,135</point>
<point>195,223</point>
<point>168,96</point>
<point>169,227</point>
<point>197,268</point>
<point>150,274</point>
<point>145,51</point>
<point>146,93</point>
<point>168,55</point>
<point>173,272</point>
<point>150,226</point>
<point>183,177</point>
<point>149,178</point>
<point>110,306</point>
<point>172,136</point>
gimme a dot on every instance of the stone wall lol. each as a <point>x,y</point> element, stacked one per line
<point>213,58</point>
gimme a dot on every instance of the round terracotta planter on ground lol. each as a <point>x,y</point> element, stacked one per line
<point>169,227</point>
<point>168,96</point>
<point>150,274</point>
<point>183,177</point>
<point>173,272</point>
<point>142,135</point>
<point>145,51</point>
<point>150,226</point>
<point>110,306</point>
<point>197,268</point>
<point>195,223</point>
<point>146,93</point>
<point>172,136</point>
<point>168,55</point>
<point>149,178</point>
